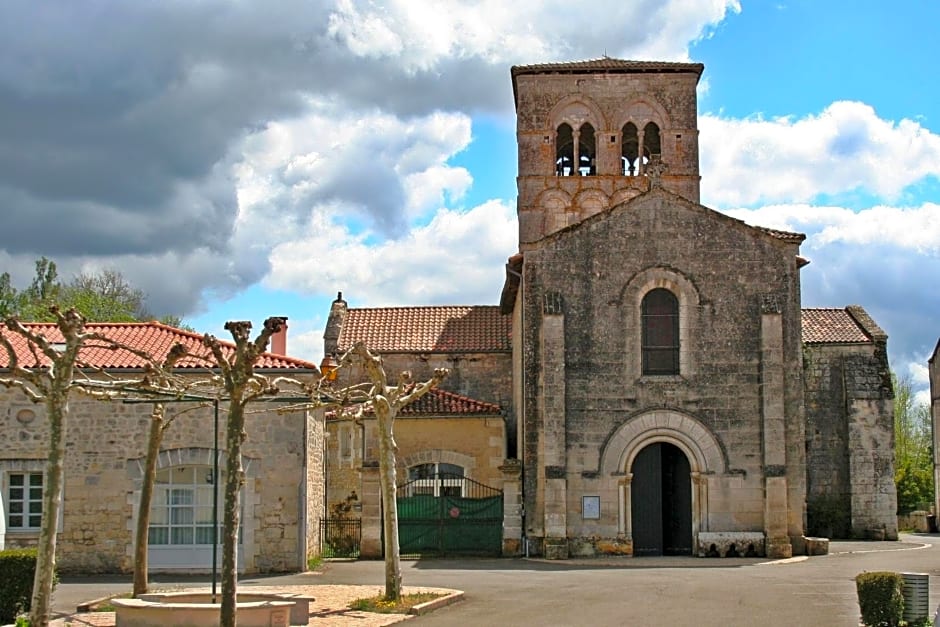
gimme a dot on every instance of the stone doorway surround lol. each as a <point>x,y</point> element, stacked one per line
<point>690,436</point>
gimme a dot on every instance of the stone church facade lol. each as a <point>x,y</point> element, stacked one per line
<point>668,393</point>
<point>659,364</point>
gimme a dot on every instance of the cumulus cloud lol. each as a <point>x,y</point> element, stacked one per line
<point>457,258</point>
<point>883,258</point>
<point>140,130</point>
<point>845,148</point>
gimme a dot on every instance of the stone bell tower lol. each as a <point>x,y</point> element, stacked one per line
<point>593,134</point>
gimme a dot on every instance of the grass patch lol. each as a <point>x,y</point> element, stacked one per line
<point>380,606</point>
<point>314,562</point>
<point>107,606</point>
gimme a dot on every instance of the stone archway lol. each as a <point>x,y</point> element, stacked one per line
<point>692,438</point>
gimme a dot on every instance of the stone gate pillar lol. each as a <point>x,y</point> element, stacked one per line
<point>512,507</point>
<point>371,544</point>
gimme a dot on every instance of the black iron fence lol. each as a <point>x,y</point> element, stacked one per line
<point>340,537</point>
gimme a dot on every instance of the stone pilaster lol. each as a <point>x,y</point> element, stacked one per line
<point>773,431</point>
<point>552,410</point>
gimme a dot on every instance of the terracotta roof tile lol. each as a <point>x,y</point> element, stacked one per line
<point>832,326</point>
<point>786,236</point>
<point>439,402</point>
<point>152,337</point>
<point>607,64</point>
<point>470,329</point>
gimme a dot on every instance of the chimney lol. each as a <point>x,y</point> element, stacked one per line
<point>334,325</point>
<point>279,339</point>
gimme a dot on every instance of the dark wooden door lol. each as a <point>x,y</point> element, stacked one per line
<point>646,502</point>
<point>677,502</point>
<point>661,501</point>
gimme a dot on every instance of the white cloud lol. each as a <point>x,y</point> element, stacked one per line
<point>886,259</point>
<point>457,258</point>
<point>919,373</point>
<point>845,148</point>
<point>370,166</point>
<point>421,35</point>
<point>914,228</point>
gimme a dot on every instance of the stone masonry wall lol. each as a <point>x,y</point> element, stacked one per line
<point>725,272</point>
<point>850,440</point>
<point>106,444</point>
<point>480,376</point>
<point>476,443</point>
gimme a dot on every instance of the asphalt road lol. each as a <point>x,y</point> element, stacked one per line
<point>665,591</point>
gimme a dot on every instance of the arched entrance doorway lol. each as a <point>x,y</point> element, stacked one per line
<point>661,501</point>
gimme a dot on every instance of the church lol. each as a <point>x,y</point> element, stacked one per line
<point>662,390</point>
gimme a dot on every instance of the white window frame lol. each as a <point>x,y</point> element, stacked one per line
<point>432,486</point>
<point>26,501</point>
<point>175,515</point>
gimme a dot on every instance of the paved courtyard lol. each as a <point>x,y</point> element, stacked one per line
<point>616,591</point>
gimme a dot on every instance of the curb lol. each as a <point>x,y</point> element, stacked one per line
<point>430,606</point>
<point>88,606</point>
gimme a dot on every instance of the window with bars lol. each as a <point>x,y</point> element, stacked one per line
<point>24,500</point>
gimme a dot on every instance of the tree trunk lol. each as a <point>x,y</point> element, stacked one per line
<point>234,479</point>
<point>141,542</point>
<point>390,500</point>
<point>58,408</point>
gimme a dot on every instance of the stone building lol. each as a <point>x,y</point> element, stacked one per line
<point>849,425</point>
<point>666,393</point>
<point>282,501</point>
<point>933,369</point>
<point>448,434</point>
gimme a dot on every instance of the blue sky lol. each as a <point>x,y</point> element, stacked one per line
<point>238,160</point>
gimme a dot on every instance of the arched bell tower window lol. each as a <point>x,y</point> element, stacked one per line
<point>575,150</point>
<point>587,151</point>
<point>635,143</point>
<point>660,341</point>
<point>630,150</point>
<point>564,151</point>
<point>652,145</point>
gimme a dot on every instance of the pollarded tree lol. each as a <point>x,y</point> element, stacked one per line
<point>47,369</point>
<point>159,422</point>
<point>236,375</point>
<point>386,401</point>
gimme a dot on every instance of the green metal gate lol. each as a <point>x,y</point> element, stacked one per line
<point>449,514</point>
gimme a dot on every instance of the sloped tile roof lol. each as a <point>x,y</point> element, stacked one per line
<point>786,236</point>
<point>151,337</point>
<point>444,329</point>
<point>439,402</point>
<point>832,326</point>
<point>607,64</point>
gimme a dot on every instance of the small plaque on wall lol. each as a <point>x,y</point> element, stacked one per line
<point>590,507</point>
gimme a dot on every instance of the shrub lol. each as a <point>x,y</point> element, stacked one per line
<point>880,598</point>
<point>17,567</point>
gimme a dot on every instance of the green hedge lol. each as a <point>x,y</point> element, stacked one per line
<point>17,567</point>
<point>880,597</point>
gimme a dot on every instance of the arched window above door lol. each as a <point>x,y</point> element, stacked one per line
<point>660,333</point>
